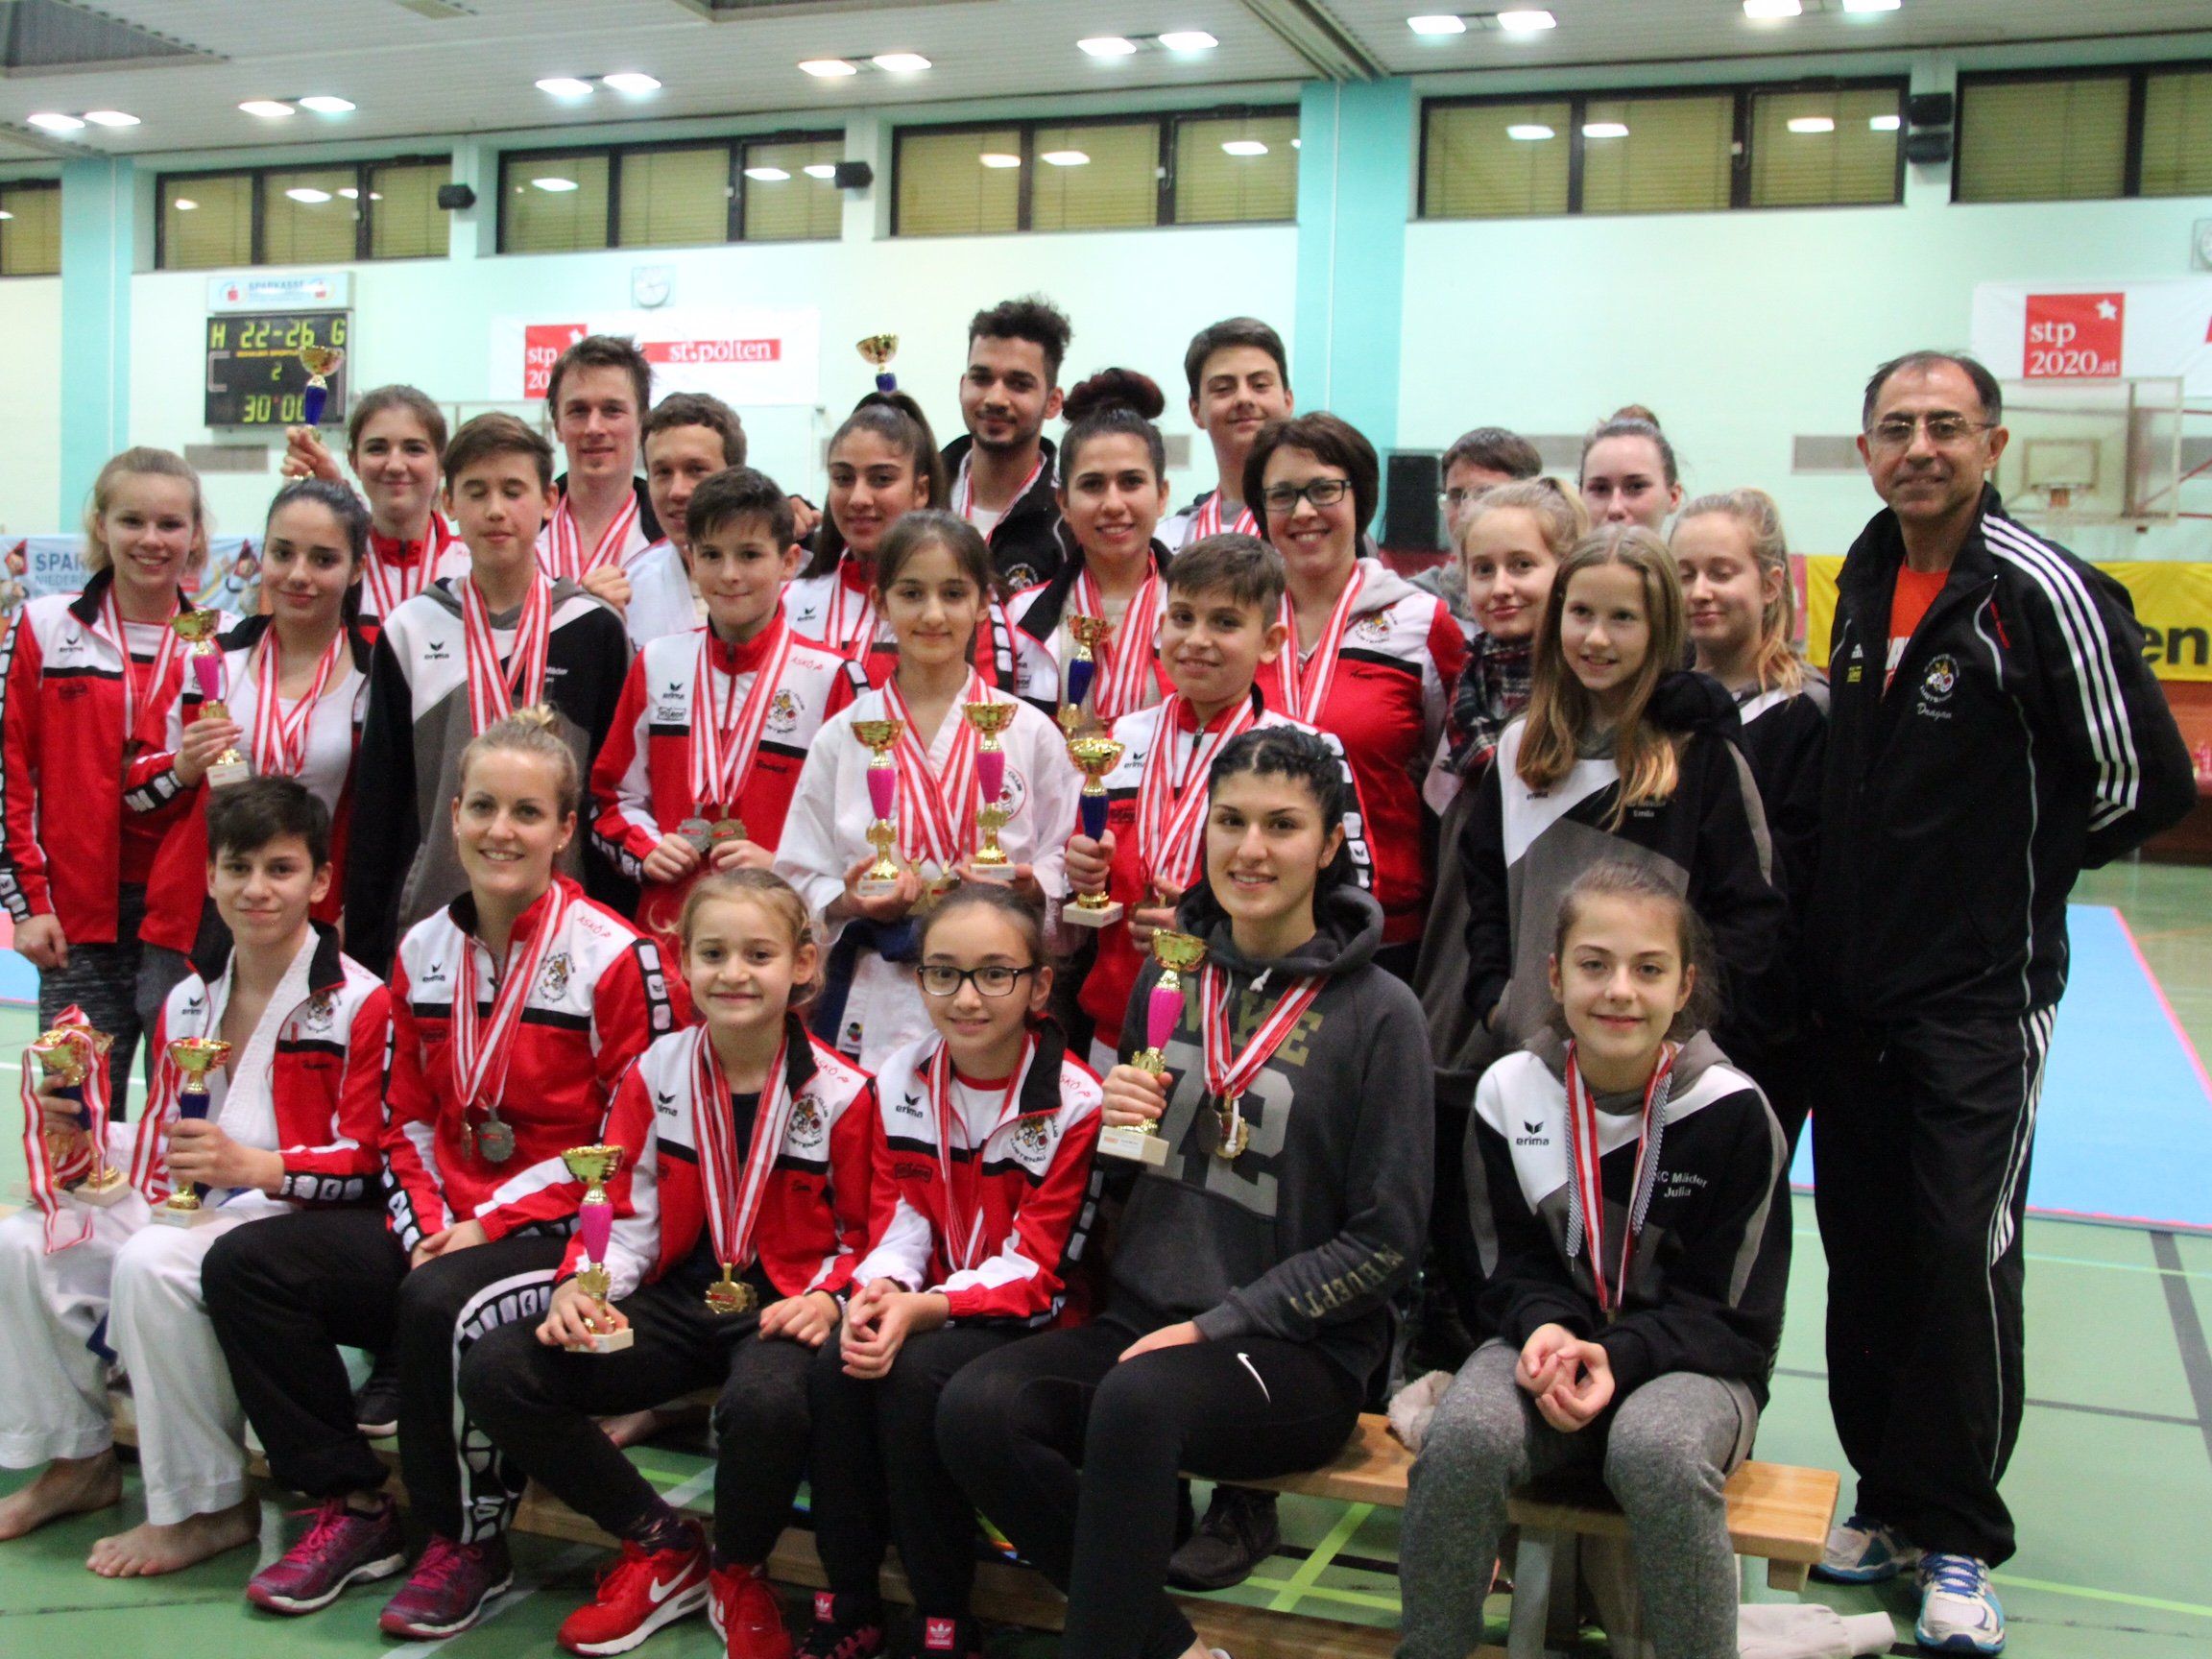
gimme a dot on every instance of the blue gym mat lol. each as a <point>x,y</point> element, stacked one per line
<point>2125,1130</point>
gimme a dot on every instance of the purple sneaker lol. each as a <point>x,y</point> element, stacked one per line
<point>342,1547</point>
<point>449,1589</point>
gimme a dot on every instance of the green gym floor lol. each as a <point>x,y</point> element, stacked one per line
<point>2111,1484</point>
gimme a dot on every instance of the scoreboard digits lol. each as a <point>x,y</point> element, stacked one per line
<point>255,375</point>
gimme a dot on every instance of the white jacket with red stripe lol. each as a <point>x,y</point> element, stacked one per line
<point>813,1220</point>
<point>599,999</point>
<point>1031,1170</point>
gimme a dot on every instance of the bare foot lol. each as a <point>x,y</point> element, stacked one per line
<point>66,1486</point>
<point>147,1550</point>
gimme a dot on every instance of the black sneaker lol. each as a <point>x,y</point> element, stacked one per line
<point>844,1627</point>
<point>376,1402</point>
<point>1239,1532</point>
<point>937,1637</point>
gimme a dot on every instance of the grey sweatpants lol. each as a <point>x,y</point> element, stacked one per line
<point>1665,1454</point>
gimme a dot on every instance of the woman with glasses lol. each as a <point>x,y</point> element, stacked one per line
<point>1371,658</point>
<point>981,1199</point>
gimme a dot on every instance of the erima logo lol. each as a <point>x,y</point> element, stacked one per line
<point>434,973</point>
<point>434,651</point>
<point>663,1101</point>
<point>1534,1134</point>
<point>674,688</point>
<point>910,1106</point>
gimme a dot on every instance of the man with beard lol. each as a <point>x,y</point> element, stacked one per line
<point>1003,471</point>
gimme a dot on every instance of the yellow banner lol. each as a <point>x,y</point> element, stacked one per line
<point>2173,601</point>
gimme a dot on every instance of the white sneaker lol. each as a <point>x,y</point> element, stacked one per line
<point>1958,1611</point>
<point>1865,1552</point>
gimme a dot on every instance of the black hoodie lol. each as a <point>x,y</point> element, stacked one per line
<point>1305,1236</point>
<point>1025,543</point>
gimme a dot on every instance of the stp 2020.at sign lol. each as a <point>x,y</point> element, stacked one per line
<point>743,358</point>
<point>2157,330</point>
<point>2074,336</point>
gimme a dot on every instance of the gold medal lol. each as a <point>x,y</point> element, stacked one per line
<point>726,829</point>
<point>1236,1134</point>
<point>726,1295</point>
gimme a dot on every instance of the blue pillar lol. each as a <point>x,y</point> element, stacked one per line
<point>98,232</point>
<point>1355,192</point>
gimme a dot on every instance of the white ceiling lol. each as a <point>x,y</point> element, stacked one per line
<point>413,75</point>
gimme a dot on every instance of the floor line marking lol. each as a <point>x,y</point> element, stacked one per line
<point>2166,1418</point>
<point>567,1562</point>
<point>2087,1594</point>
<point>2081,1261</point>
<point>1322,1593</point>
<point>2188,1331</point>
<point>2174,1019</point>
<point>1308,1575</point>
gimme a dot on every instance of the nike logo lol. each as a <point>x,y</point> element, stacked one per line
<point>658,1592</point>
<point>1245,1359</point>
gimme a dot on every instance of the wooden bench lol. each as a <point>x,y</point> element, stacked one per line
<point>1776,1513</point>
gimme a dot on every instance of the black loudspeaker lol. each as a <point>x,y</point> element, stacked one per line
<point>853,176</point>
<point>1410,521</point>
<point>1932,145</point>
<point>455,197</point>
<point>1929,109</point>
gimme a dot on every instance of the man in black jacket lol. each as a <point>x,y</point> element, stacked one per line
<point>1002,472</point>
<point>1993,730</point>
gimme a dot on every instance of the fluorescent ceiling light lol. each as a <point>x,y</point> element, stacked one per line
<point>351,195</point>
<point>556,185</point>
<point>5,214</point>
<point>322,103</point>
<point>1772,7</point>
<point>1107,46</point>
<point>821,170</point>
<point>999,159</point>
<point>54,123</point>
<point>1812,124</point>
<point>1189,40</point>
<point>829,68</point>
<point>1065,158</point>
<point>1885,123</point>
<point>630,80</point>
<point>184,204</point>
<point>1529,132</point>
<point>1438,23</point>
<point>309,194</point>
<point>565,86</point>
<point>767,175</point>
<point>901,63</point>
<point>1604,130</point>
<point>268,109</point>
<point>1872,5</point>
<point>111,118</point>
<point>1527,22</point>
<point>1243,147</point>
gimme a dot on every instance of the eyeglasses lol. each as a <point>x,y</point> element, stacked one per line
<point>1895,431</point>
<point>942,980</point>
<point>1321,492</point>
<point>1452,500</point>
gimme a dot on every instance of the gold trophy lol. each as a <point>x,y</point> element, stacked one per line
<point>198,629</point>
<point>879,350</point>
<point>990,863</point>
<point>1178,954</point>
<point>595,1166</point>
<point>1095,758</point>
<point>321,363</point>
<point>66,1057</point>
<point>1088,632</point>
<point>195,1057</point>
<point>880,879</point>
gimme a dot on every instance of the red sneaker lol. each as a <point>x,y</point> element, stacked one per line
<point>642,1591</point>
<point>449,1589</point>
<point>342,1547</point>
<point>745,1613</point>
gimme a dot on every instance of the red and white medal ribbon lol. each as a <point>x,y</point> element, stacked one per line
<point>481,1049</point>
<point>1304,690</point>
<point>164,659</point>
<point>1208,520</point>
<point>725,737</point>
<point>936,815</point>
<point>964,493</point>
<point>1586,1202</point>
<point>733,1191</point>
<point>1228,1073</point>
<point>495,692</point>
<point>565,540</point>
<point>281,739</point>
<point>38,1155</point>
<point>1171,796</point>
<point>852,619</point>
<point>963,1240</point>
<point>390,582</point>
<point>1127,673</point>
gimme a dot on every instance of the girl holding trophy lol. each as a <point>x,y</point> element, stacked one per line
<point>958,780</point>
<point>515,1009</point>
<point>1252,1268</point>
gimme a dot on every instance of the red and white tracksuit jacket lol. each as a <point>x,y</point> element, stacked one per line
<point>1400,658</point>
<point>177,890</point>
<point>599,999</point>
<point>1023,1187</point>
<point>325,1080</point>
<point>813,1219</point>
<point>1006,658</point>
<point>63,750</point>
<point>642,776</point>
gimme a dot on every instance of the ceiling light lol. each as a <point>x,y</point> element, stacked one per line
<point>1604,130</point>
<point>556,185</point>
<point>1772,7</point>
<point>1885,123</point>
<point>309,194</point>
<point>767,175</point>
<point>184,204</point>
<point>631,82</point>
<point>5,214</point>
<point>1812,124</point>
<point>322,103</point>
<point>1243,147</point>
<point>1065,158</point>
<point>999,159</point>
<point>829,68</point>
<point>268,109</point>
<point>1189,40</point>
<point>1440,23</point>
<point>821,170</point>
<point>1107,46</point>
<point>565,86</point>
<point>1527,22</point>
<point>351,194</point>
<point>1529,132</point>
<point>1872,5</point>
<point>111,118</point>
<point>901,63</point>
<point>52,123</point>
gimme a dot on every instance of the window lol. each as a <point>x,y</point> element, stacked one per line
<point>674,197</point>
<point>31,229</point>
<point>773,189</point>
<point>553,203</point>
<point>1209,168</point>
<point>2085,134</point>
<point>2178,135</point>
<point>786,191</point>
<point>1670,151</point>
<point>301,215</point>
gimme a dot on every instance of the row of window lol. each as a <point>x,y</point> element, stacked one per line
<point>31,229</point>
<point>775,189</point>
<point>2084,133</point>
<point>301,215</point>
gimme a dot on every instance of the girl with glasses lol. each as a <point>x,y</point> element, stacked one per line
<point>981,1197</point>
